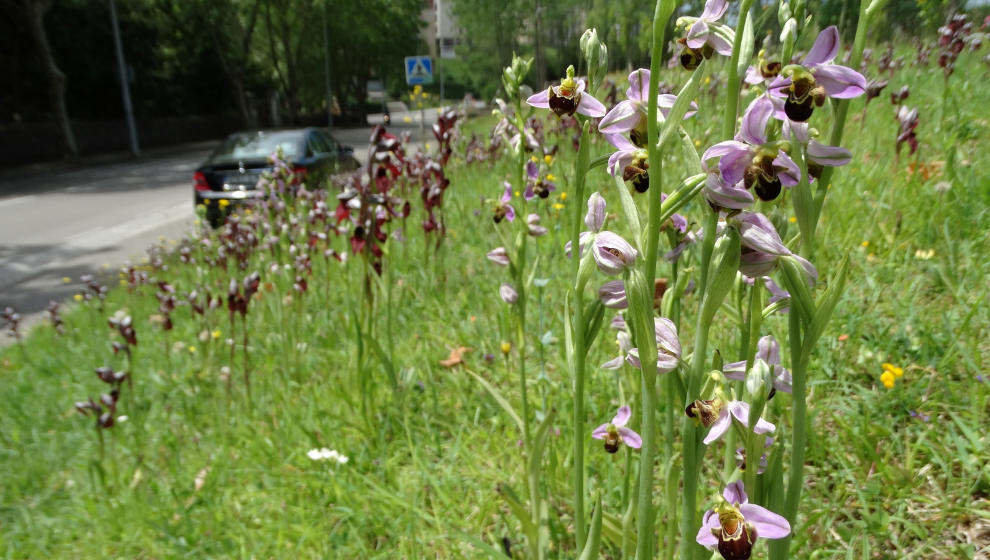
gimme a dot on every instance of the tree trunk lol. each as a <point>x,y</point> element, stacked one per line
<point>35,12</point>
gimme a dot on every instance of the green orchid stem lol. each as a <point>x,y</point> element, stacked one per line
<point>648,357</point>
<point>804,203</point>
<point>866,12</point>
<point>580,347</point>
<point>689,428</point>
<point>799,436</point>
<point>733,83</point>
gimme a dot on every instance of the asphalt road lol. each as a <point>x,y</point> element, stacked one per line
<point>59,221</point>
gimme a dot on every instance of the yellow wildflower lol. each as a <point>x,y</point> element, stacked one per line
<point>558,206</point>
<point>548,159</point>
<point>223,203</point>
<point>887,379</point>
<point>77,297</point>
<point>533,159</point>
<point>66,279</point>
<point>552,177</point>
<point>216,334</point>
<point>407,119</point>
<point>506,347</point>
<point>864,244</point>
<point>192,349</point>
<point>563,195</point>
<point>792,219</point>
<point>517,194</point>
<point>894,370</point>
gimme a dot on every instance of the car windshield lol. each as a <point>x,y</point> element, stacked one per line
<point>258,145</point>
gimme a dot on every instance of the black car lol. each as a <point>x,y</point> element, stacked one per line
<point>230,175</point>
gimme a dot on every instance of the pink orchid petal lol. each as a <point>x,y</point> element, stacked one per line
<point>714,9</point>
<point>540,99</point>
<point>791,173</point>
<point>753,128</point>
<point>753,76</point>
<point>697,34</point>
<point>832,156</point>
<point>825,48</point>
<point>622,416</point>
<point>719,428</point>
<point>630,438</point>
<point>639,85</point>
<point>591,107</point>
<point>721,45</point>
<point>768,524</point>
<point>600,431</point>
<point>735,493</point>
<point>705,536</point>
<point>840,82</point>
<point>622,118</point>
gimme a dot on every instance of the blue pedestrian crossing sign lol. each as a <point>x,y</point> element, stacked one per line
<point>419,70</point>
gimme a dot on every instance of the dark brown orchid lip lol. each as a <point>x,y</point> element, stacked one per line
<point>736,542</point>
<point>563,105</point>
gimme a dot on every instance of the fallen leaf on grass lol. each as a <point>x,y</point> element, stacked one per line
<point>456,357</point>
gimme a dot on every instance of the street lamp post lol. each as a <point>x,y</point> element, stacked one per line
<point>124,85</point>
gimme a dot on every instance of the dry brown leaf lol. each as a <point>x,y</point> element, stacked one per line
<point>201,478</point>
<point>456,357</point>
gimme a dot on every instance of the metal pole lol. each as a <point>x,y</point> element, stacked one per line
<point>326,68</point>
<point>440,44</point>
<point>124,85</point>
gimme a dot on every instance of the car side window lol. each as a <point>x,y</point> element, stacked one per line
<point>317,145</point>
<point>330,142</point>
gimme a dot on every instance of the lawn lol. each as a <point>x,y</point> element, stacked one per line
<point>202,463</point>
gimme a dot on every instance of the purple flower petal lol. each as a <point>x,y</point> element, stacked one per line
<point>639,85</point>
<point>768,524</point>
<point>528,193</point>
<point>705,536</point>
<point>839,81</point>
<point>754,122</point>
<point>600,431</point>
<point>788,171</point>
<point>532,170</point>
<point>622,416</point>
<point>591,107</point>
<point>506,192</point>
<point>613,295</point>
<point>697,34</point>
<point>768,350</point>
<point>619,160</point>
<point>758,233</point>
<point>508,293</point>
<point>630,438</point>
<point>612,253</point>
<point>735,493</point>
<point>753,76</point>
<point>614,363</point>
<point>540,100</point>
<point>732,166</point>
<point>622,118</point>
<point>621,142</point>
<point>594,219</point>
<point>825,48</point>
<point>720,193</point>
<point>719,428</point>
<point>510,212</point>
<point>721,45</point>
<point>714,9</point>
<point>832,156</point>
<point>666,334</point>
<point>740,411</point>
<point>499,256</point>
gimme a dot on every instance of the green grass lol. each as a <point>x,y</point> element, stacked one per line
<point>428,459</point>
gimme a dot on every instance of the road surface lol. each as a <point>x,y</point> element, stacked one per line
<point>60,221</point>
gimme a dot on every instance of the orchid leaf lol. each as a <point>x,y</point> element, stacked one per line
<point>595,535</point>
<point>540,441</point>
<point>825,306</point>
<point>681,106</point>
<point>796,283</point>
<point>518,510</point>
<point>594,315</point>
<point>501,400</point>
<point>746,47</point>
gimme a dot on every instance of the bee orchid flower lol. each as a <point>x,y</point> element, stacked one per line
<point>749,158</point>
<point>733,526</point>
<point>616,432</point>
<point>568,98</point>
<point>630,115</point>
<point>807,85</point>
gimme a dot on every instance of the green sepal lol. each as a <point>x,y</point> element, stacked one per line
<point>595,535</point>
<point>725,265</point>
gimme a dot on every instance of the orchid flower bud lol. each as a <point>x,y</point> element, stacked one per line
<point>613,294</point>
<point>612,253</point>
<point>725,262</point>
<point>758,378</point>
<point>499,256</point>
<point>595,218</point>
<point>508,293</point>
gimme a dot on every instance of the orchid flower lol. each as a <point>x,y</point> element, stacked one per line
<point>504,210</point>
<point>535,185</point>
<point>534,227</point>
<point>733,526</point>
<point>750,159</point>
<point>705,30</point>
<point>568,98</point>
<point>741,457</point>
<point>630,115</point>
<point>726,412</point>
<point>762,246</point>
<point>668,346</point>
<point>508,293</point>
<point>616,432</point>
<point>612,253</point>
<point>624,341</point>
<point>819,155</point>
<point>613,294</point>
<point>499,256</point>
<point>806,85</point>
<point>768,350</point>
<point>629,160</point>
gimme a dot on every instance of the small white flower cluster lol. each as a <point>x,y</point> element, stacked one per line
<point>325,454</point>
